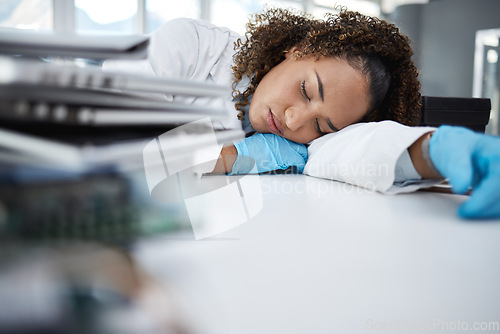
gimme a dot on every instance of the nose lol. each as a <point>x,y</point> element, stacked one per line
<point>295,117</point>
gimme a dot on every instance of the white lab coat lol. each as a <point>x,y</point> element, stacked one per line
<point>372,155</point>
<point>194,50</point>
<point>369,155</point>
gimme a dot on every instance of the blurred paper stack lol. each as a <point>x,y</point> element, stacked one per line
<point>72,136</point>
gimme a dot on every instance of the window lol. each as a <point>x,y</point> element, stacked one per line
<point>144,16</point>
<point>487,74</point>
<point>159,11</point>
<point>363,6</point>
<point>233,13</point>
<point>22,14</point>
<point>110,16</point>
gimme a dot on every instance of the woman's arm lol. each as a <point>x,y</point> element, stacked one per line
<point>262,152</point>
<point>470,161</point>
<point>366,155</point>
<point>226,160</point>
<point>421,160</point>
<point>229,153</point>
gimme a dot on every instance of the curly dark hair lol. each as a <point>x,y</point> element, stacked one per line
<point>373,46</point>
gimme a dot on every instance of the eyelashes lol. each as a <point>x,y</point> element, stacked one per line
<point>318,129</point>
<point>303,89</point>
<point>304,93</point>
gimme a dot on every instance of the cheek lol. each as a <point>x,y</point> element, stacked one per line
<point>263,97</point>
<point>252,116</point>
<point>276,85</point>
<point>257,115</point>
<point>302,137</point>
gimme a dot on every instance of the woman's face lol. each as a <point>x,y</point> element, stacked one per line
<point>304,98</point>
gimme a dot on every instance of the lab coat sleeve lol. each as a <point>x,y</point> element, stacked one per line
<point>366,155</point>
<point>185,49</point>
<point>192,49</point>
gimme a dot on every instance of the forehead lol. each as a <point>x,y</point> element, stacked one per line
<point>345,89</point>
<point>336,72</point>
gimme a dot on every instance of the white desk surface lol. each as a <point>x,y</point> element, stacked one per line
<point>327,257</point>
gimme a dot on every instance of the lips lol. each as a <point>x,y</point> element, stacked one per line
<point>274,124</point>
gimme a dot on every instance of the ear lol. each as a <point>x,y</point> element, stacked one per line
<point>292,51</point>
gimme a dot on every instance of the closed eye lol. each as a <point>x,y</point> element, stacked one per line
<point>318,129</point>
<point>303,89</point>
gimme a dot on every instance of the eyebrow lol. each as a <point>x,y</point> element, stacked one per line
<point>320,87</point>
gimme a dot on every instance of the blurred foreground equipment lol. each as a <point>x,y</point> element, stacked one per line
<point>81,288</point>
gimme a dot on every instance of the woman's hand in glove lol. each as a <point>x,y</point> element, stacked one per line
<point>469,160</point>
<point>268,152</point>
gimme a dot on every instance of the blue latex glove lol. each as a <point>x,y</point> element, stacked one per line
<point>270,152</point>
<point>469,159</point>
